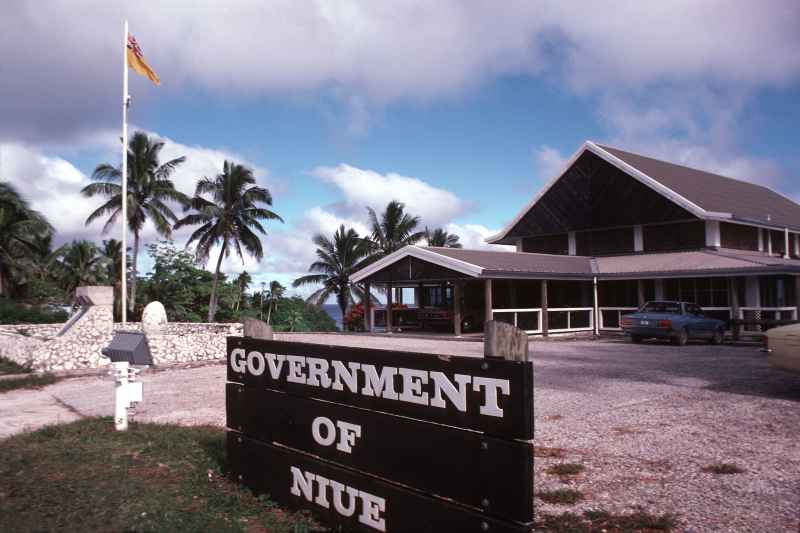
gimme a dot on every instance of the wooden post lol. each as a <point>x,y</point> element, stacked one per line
<point>367,306</point>
<point>388,308</point>
<point>487,301</point>
<point>640,292</point>
<point>545,325</point>
<point>457,308</point>
<point>733,302</point>
<point>504,340</point>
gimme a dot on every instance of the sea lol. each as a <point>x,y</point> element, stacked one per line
<point>335,313</point>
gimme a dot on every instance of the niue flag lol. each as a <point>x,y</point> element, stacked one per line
<point>136,61</point>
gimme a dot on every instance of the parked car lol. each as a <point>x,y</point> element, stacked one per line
<point>677,321</point>
<point>783,345</point>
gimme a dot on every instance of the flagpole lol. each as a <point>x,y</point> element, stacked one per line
<point>124,273</point>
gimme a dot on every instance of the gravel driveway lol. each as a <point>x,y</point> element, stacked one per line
<point>643,420</point>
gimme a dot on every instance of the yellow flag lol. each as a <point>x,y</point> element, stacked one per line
<point>136,61</point>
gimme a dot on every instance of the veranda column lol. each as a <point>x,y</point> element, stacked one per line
<point>733,301</point>
<point>388,308</point>
<point>640,292</point>
<point>367,307</point>
<point>487,299</point>
<point>457,308</point>
<point>545,325</point>
<point>595,308</point>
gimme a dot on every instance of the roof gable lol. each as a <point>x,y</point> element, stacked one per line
<point>703,194</point>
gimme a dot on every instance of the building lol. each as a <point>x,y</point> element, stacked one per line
<point>612,230</point>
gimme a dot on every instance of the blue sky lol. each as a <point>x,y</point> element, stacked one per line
<point>462,110</point>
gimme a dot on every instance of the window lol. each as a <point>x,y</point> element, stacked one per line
<point>679,236</point>
<point>705,292</point>
<point>662,307</point>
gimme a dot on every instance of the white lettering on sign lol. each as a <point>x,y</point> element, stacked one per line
<point>416,386</point>
<point>303,485</point>
<point>347,432</point>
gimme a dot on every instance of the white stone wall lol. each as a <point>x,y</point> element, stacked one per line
<point>40,348</point>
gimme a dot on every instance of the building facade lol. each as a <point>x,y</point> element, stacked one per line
<point>611,231</point>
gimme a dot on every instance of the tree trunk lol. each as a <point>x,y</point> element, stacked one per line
<point>212,304</point>
<point>132,301</point>
<point>343,299</point>
<point>269,310</point>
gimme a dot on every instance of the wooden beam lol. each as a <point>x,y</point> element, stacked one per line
<point>367,307</point>
<point>487,300</point>
<point>388,308</point>
<point>545,325</point>
<point>457,308</point>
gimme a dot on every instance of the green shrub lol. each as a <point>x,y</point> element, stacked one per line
<point>14,313</point>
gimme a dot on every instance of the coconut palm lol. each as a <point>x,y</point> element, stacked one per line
<point>393,230</point>
<point>274,294</point>
<point>149,190</point>
<point>439,237</point>
<point>80,263</point>
<point>228,218</point>
<point>242,282</point>
<point>338,259</point>
<point>20,226</point>
<point>112,252</point>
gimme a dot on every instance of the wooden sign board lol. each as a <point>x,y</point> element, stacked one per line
<point>350,500</point>
<point>492,396</point>
<point>409,431</point>
<point>453,463</point>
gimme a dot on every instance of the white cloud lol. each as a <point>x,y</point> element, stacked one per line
<point>374,53</point>
<point>548,162</point>
<point>475,235</point>
<point>367,188</point>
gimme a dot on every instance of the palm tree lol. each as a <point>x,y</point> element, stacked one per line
<point>20,226</point>
<point>80,263</point>
<point>274,294</point>
<point>228,218</point>
<point>149,187</point>
<point>112,252</point>
<point>338,259</point>
<point>242,282</point>
<point>439,237</point>
<point>395,229</point>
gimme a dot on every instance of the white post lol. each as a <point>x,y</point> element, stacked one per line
<point>596,310</point>
<point>124,273</point>
<point>786,250</point>
<point>120,395</point>
<point>572,243</point>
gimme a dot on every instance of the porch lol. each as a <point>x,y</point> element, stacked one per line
<point>453,297</point>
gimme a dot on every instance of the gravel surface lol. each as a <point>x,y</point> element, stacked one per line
<point>643,419</point>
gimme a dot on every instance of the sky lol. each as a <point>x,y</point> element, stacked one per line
<point>460,109</point>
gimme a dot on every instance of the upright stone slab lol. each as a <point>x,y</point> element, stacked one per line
<point>154,318</point>
<point>257,329</point>
<point>505,341</point>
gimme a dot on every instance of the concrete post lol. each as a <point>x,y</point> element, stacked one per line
<point>659,289</point>
<point>457,308</point>
<point>733,302</point>
<point>545,325</point>
<point>505,341</point>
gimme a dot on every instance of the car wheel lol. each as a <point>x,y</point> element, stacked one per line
<point>681,338</point>
<point>636,339</point>
<point>717,337</point>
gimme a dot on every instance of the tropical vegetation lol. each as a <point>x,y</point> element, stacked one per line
<point>229,209</point>
<point>150,190</point>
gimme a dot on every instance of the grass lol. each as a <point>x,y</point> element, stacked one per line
<point>7,366</point>
<point>566,469</point>
<point>602,521</point>
<point>85,476</point>
<point>723,468</point>
<point>32,381</point>
<point>561,496</point>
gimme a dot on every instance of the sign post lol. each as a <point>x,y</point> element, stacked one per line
<point>378,440</point>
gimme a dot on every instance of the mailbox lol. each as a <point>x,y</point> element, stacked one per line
<point>128,347</point>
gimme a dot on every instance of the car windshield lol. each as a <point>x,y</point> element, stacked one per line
<point>661,307</point>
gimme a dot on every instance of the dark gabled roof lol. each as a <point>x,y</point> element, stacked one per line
<point>512,263</point>
<point>744,200</point>
<point>702,194</point>
<point>484,264</point>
